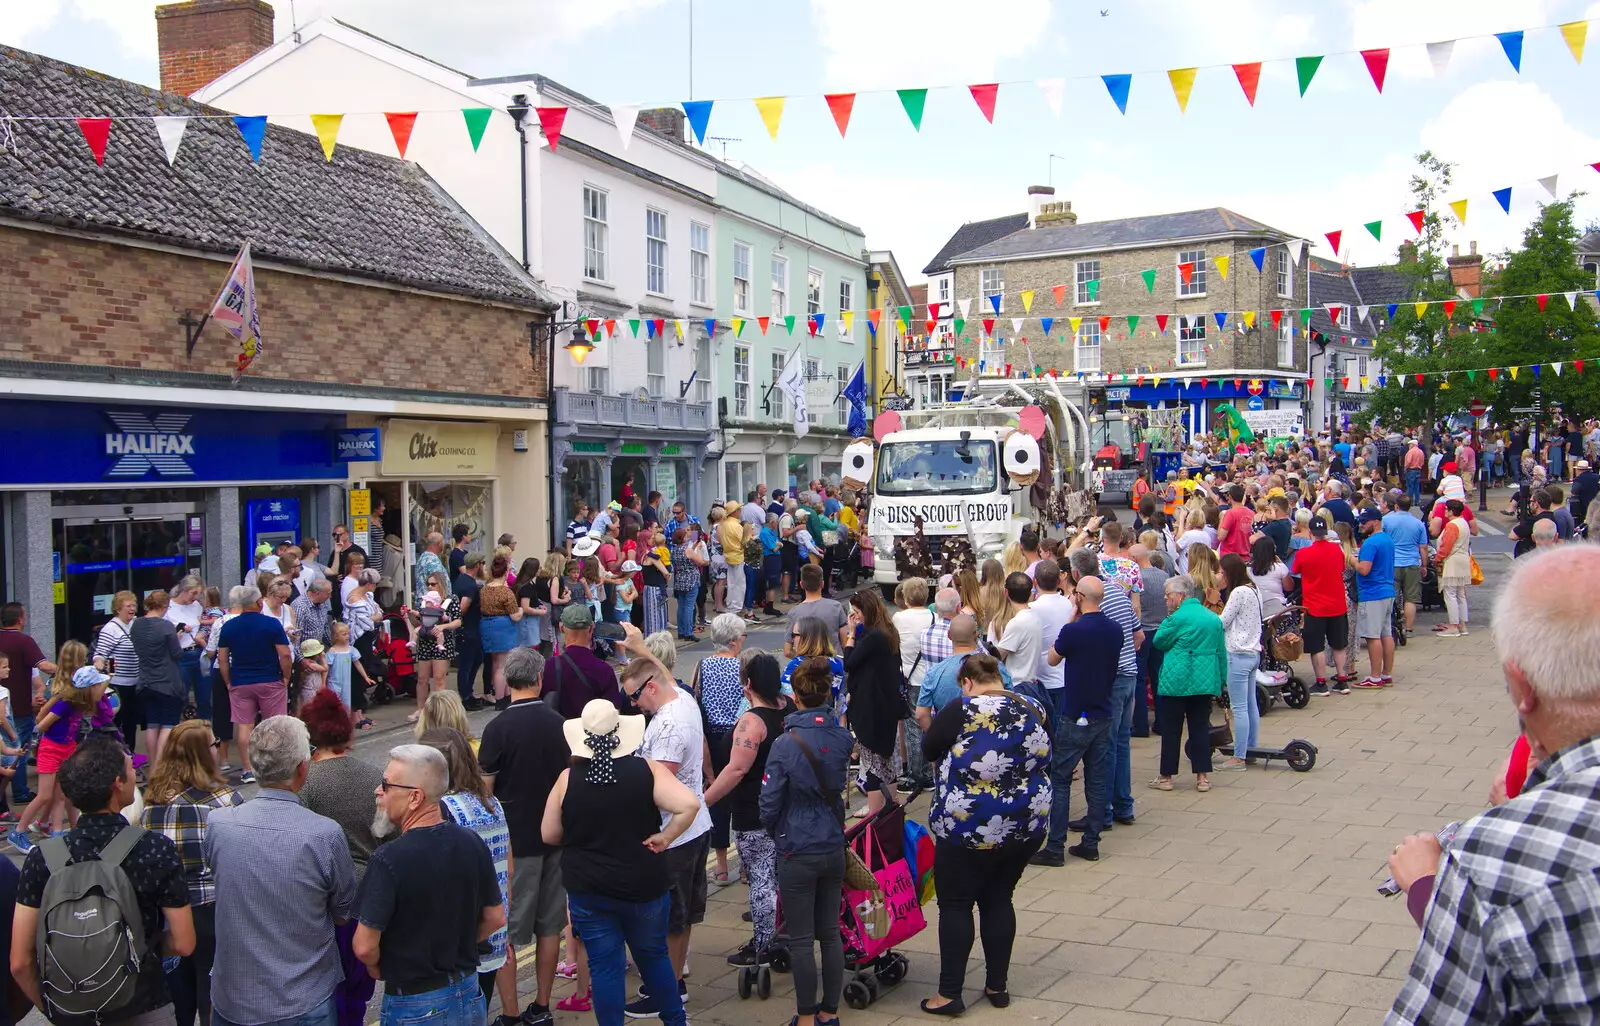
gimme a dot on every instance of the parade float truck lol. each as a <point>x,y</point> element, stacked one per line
<point>953,483</point>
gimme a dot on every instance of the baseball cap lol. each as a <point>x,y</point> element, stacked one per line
<point>1370,516</point>
<point>629,567</point>
<point>1318,528</point>
<point>88,677</point>
<point>1449,468</point>
<point>263,550</point>
<point>474,559</point>
<point>577,617</point>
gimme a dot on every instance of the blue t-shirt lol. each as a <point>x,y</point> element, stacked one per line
<point>1407,532</point>
<point>940,685</point>
<point>1378,549</point>
<point>1340,510</point>
<point>1091,650</point>
<point>1344,449</point>
<point>252,641</point>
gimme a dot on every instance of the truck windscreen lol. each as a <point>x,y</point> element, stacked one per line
<point>937,467</point>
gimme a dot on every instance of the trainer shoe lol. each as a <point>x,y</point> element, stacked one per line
<point>1320,689</point>
<point>1369,682</point>
<point>20,841</point>
<point>1084,852</point>
<point>537,1015</point>
<point>1046,857</point>
<point>749,955</point>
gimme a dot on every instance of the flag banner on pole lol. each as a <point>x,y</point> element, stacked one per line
<point>792,383</point>
<point>235,309</point>
<point>856,394</point>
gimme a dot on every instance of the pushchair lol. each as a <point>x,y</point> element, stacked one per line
<point>1281,645</point>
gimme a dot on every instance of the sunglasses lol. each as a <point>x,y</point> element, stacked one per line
<point>385,786</point>
<point>633,696</point>
<point>219,744</point>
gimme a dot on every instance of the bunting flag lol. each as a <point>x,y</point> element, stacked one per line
<point>848,319</point>
<point>400,125</point>
<point>1305,69</point>
<point>1377,65</point>
<point>1572,300</point>
<point>1511,43</point>
<point>1149,280</point>
<point>699,114</point>
<point>1477,308</point>
<point>1222,319</point>
<point>841,104</point>
<point>1449,308</point>
<point>1503,197</point>
<point>1258,255</point>
<point>253,130</point>
<point>1093,287</point>
<point>97,132</point>
<point>1556,366</point>
<point>592,326</point>
<point>1186,269</point>
<point>1117,86</point>
<point>1222,266</point>
<point>1277,318</point>
<point>1542,299</point>
<point>905,314</point>
<point>1575,33</point>
<point>1249,76</point>
<point>1133,324</point>
<point>814,323</point>
<point>633,326</point>
<point>764,322</point>
<point>984,96</point>
<point>1375,229</point>
<point>1420,308</point>
<point>1161,323</point>
<point>170,130</point>
<point>477,119</point>
<point>710,324</point>
<point>930,324</point>
<point>1514,370</point>
<point>678,324</point>
<point>550,121</point>
<point>1416,218</point>
<point>771,110</point>
<point>626,118</point>
<point>611,328</point>
<point>960,325</point>
<point>1016,326</point>
<point>994,301</point>
<point>738,326</point>
<point>1439,57</point>
<point>1182,80</point>
<point>1053,90</point>
<point>1249,318</point>
<point>935,308</point>
<point>326,127</point>
<point>1046,323</point>
<point>1075,323</point>
<point>660,324</point>
<point>1105,324</point>
<point>1334,239</point>
<point>1305,317</point>
<point>1334,309</point>
<point>965,306</point>
<point>1361,312</point>
<point>988,326</point>
<point>1060,292</point>
<point>1392,308</point>
<point>1549,184</point>
<point>1459,208</point>
<point>913,100</point>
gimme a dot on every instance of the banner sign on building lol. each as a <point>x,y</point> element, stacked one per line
<point>439,448</point>
<point>358,445</point>
<point>947,516</point>
<point>1274,423</point>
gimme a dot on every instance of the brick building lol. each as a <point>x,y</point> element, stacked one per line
<point>396,353</point>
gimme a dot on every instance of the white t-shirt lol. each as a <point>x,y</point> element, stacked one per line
<point>911,623</point>
<point>178,612</point>
<point>1195,536</point>
<point>1022,640</point>
<point>676,734</point>
<point>1054,612</point>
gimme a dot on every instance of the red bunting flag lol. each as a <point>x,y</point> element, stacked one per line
<point>593,326</point>
<point>1277,316</point>
<point>550,121</point>
<point>96,132</point>
<point>1415,217</point>
<point>1060,292</point>
<point>1449,308</point>
<point>1333,240</point>
<point>1377,65</point>
<point>1578,364</point>
<point>1161,323</point>
<point>841,104</point>
<point>1494,373</point>
<point>661,327</point>
<point>1344,383</point>
<point>1249,77</point>
<point>1542,298</point>
<point>611,328</point>
<point>1187,270</point>
<point>988,326</point>
<point>762,323</point>
<point>1333,312</point>
<point>985,96</point>
<point>1595,166</point>
<point>1419,378</point>
<point>933,310</point>
<point>930,324</point>
<point>1105,323</point>
<point>400,125</point>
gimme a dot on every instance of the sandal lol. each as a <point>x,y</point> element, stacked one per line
<point>1161,784</point>
<point>721,878</point>
<point>1202,785</point>
<point>413,717</point>
<point>576,1002</point>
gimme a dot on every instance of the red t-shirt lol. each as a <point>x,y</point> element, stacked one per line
<point>1237,520</point>
<point>1320,567</point>
<point>1441,513</point>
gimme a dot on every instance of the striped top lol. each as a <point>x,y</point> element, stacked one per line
<point>116,642</point>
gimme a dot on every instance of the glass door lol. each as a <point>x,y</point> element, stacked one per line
<point>96,557</point>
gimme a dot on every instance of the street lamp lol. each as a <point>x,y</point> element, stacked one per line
<point>579,347</point>
<point>542,335</point>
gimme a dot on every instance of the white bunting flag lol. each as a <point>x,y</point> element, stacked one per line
<point>625,118</point>
<point>1557,366</point>
<point>1053,89</point>
<point>966,307</point>
<point>1550,185</point>
<point>1572,299</point>
<point>1439,54</point>
<point>170,129</point>
<point>1016,325</point>
<point>1361,312</point>
<point>1296,248</point>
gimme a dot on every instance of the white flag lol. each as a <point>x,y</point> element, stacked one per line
<point>1550,185</point>
<point>625,118</point>
<point>1361,312</point>
<point>235,309</point>
<point>1016,325</point>
<point>170,129</point>
<point>1053,89</point>
<point>1296,248</point>
<point>966,307</point>
<point>792,383</point>
<point>1439,54</point>
<point>1572,299</point>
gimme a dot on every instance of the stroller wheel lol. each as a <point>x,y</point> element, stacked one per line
<point>856,995</point>
<point>1300,755</point>
<point>779,960</point>
<point>1264,698</point>
<point>1295,693</point>
<point>763,983</point>
<point>893,971</point>
<point>745,982</point>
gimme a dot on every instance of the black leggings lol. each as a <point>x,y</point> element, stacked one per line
<point>809,885</point>
<point>1171,712</point>
<point>964,877</point>
<point>191,984</point>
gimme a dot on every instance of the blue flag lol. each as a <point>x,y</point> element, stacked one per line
<point>856,393</point>
<point>253,129</point>
<point>1117,86</point>
<point>1503,197</point>
<point>1258,254</point>
<point>699,114</point>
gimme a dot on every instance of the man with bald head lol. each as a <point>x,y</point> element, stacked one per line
<point>1090,647</point>
<point>939,684</point>
<point>1511,925</point>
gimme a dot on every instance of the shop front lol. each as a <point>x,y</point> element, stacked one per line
<point>105,498</point>
<point>614,447</point>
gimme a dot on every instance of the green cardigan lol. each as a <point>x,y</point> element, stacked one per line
<point>1196,660</point>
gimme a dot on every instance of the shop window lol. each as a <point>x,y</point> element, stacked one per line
<point>440,506</point>
<point>740,478</point>
<point>583,482</point>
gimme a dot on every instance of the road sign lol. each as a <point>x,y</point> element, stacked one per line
<point>1478,408</point>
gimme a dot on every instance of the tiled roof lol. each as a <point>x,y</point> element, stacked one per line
<point>1355,286</point>
<point>362,215</point>
<point>1152,230</point>
<point>972,235</point>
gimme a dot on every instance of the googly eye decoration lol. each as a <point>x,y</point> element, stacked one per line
<point>858,460</point>
<point>1020,454</point>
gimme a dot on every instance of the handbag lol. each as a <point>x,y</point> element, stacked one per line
<point>1477,571</point>
<point>1222,733</point>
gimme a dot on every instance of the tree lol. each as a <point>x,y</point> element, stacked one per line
<point>1409,344</point>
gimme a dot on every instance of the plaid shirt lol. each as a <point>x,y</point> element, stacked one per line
<point>936,647</point>
<point>183,821</point>
<point>312,619</point>
<point>1513,931</point>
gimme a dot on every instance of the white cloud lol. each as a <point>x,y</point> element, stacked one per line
<point>133,23</point>
<point>892,43</point>
<point>1407,27</point>
<point>470,33</point>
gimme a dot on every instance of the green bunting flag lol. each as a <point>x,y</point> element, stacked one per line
<point>1376,228</point>
<point>1149,279</point>
<point>905,314</point>
<point>960,325</point>
<point>788,322</point>
<point>1305,317</point>
<point>913,100</point>
<point>633,326</point>
<point>477,119</point>
<point>1094,289</point>
<point>1305,68</point>
<point>1133,323</point>
<point>1472,375</point>
<point>1477,308</point>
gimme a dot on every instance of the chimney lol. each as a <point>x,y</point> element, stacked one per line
<point>1053,214</point>
<point>667,121</point>
<point>1408,252</point>
<point>1466,272</point>
<point>1037,194</point>
<point>201,40</point>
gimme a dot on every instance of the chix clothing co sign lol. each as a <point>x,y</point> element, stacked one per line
<point>439,448</point>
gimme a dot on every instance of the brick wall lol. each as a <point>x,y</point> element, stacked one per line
<point>200,40</point>
<point>1122,292</point>
<point>65,299</point>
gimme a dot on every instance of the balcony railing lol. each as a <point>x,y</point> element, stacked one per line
<point>626,411</point>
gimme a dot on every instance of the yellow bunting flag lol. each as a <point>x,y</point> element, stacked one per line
<point>1576,33</point>
<point>1027,300</point>
<point>1421,308</point>
<point>1222,266</point>
<point>1182,80</point>
<point>1514,372</point>
<point>679,325</point>
<point>738,325</point>
<point>1156,380</point>
<point>1363,383</point>
<point>771,108</point>
<point>1075,322</point>
<point>1249,317</point>
<point>1460,208</point>
<point>327,126</point>
<point>849,319</point>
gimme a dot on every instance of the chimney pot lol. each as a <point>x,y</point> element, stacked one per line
<point>1474,247</point>
<point>200,40</point>
<point>667,121</point>
<point>1455,250</point>
<point>1037,196</point>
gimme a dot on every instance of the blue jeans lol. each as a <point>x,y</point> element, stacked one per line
<point>1090,745</point>
<point>1141,694</point>
<point>1242,698</point>
<point>1414,486</point>
<point>325,1015</point>
<point>195,681</point>
<point>1120,792</point>
<point>458,1004</point>
<point>754,594</point>
<point>469,660</point>
<point>19,782</point>
<point>920,770</point>
<point>605,924</point>
<point>686,601</point>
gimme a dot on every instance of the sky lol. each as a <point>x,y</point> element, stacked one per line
<point>1332,160</point>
